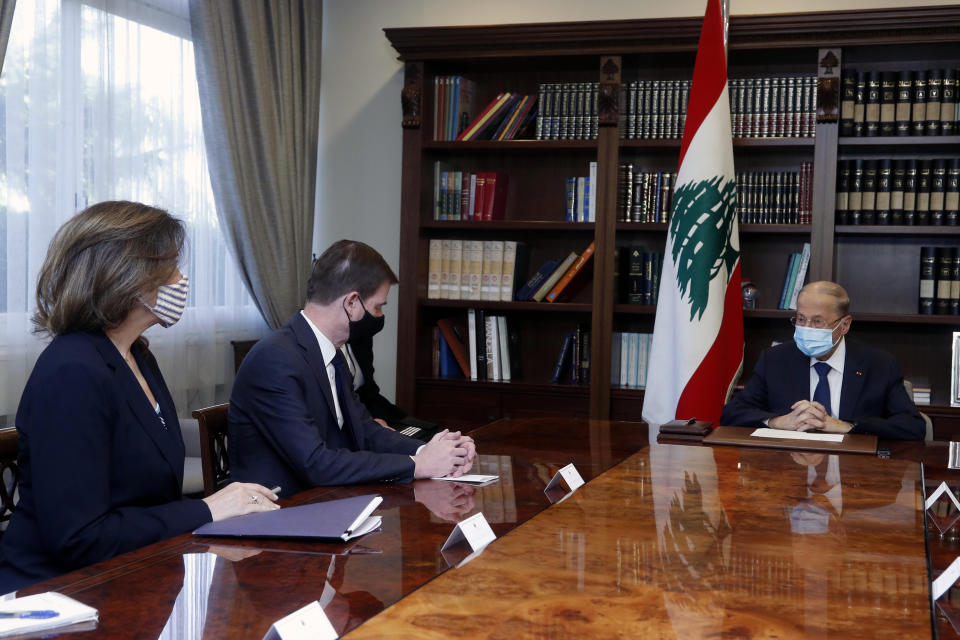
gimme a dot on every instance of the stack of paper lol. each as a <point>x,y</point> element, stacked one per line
<point>54,610</point>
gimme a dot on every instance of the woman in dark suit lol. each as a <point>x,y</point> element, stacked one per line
<point>101,454</point>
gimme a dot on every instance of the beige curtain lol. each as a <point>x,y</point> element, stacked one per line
<point>258,67</point>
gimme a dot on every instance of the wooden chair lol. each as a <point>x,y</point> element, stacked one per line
<point>9,474</point>
<point>212,422</point>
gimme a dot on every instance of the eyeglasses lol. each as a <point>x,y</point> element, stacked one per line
<point>816,323</point>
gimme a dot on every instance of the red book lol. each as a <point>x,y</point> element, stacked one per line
<point>574,269</point>
<point>481,119</point>
<point>465,196</point>
<point>478,204</point>
<point>442,108</point>
<point>495,198</point>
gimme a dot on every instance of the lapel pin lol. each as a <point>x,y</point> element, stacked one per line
<point>859,373</point>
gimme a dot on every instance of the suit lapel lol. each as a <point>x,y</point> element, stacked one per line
<point>140,407</point>
<point>314,357</point>
<point>801,382</point>
<point>852,382</point>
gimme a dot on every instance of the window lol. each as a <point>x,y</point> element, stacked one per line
<point>99,101</point>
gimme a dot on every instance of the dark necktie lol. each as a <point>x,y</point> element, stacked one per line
<point>822,393</point>
<point>340,375</point>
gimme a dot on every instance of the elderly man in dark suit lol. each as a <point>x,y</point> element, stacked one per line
<point>821,382</point>
<point>294,419</point>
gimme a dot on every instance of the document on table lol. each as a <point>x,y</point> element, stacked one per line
<point>798,435</point>
<point>43,612</point>
<point>470,478</point>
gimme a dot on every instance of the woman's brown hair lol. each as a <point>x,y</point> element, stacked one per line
<point>100,263</point>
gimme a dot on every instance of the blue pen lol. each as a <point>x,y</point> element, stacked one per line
<point>40,614</point>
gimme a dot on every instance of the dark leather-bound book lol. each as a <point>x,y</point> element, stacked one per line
<point>888,103</point>
<point>843,191</point>
<point>856,190</point>
<point>848,94</point>
<point>868,201</point>
<point>948,102</point>
<point>928,278</point>
<point>945,256</point>
<point>951,199</point>
<point>635,276</point>
<point>910,192</point>
<point>923,191</point>
<point>687,430</point>
<point>918,119</point>
<point>882,203</point>
<point>934,84</point>
<point>860,104</point>
<point>872,113</point>
<point>938,183</point>
<point>955,284</point>
<point>904,97</point>
<point>896,191</point>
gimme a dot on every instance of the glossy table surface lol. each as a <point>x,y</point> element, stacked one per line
<point>189,587</point>
<point>664,541</point>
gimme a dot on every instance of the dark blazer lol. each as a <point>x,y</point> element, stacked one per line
<point>872,394</point>
<point>282,425</point>
<point>100,475</point>
<point>369,391</point>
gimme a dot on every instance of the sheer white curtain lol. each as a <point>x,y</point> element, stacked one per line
<point>99,101</point>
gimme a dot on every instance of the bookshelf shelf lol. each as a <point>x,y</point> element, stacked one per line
<point>899,230</point>
<point>509,225</point>
<point>511,146</point>
<point>492,305</point>
<point>877,264</point>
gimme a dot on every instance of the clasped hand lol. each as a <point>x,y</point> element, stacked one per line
<point>809,415</point>
<point>447,454</point>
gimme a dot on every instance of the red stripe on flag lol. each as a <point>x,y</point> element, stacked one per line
<point>709,74</point>
<point>705,393</point>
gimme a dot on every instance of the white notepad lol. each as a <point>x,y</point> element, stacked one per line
<point>470,478</point>
<point>71,612</point>
<point>798,435</point>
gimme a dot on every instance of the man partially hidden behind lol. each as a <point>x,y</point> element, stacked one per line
<point>294,419</point>
<point>822,382</point>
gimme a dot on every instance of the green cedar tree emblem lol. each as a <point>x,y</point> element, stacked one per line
<point>701,224</point>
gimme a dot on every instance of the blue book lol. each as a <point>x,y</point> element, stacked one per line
<point>566,352</point>
<point>530,288</point>
<point>570,185</point>
<point>449,367</point>
<point>791,270</point>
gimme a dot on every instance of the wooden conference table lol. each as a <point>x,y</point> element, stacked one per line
<point>664,541</point>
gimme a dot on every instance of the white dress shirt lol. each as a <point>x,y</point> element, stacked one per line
<point>834,377</point>
<point>328,351</point>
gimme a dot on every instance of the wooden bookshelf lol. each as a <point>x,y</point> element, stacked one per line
<point>519,58</point>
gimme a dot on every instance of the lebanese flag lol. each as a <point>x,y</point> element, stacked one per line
<point>697,350</point>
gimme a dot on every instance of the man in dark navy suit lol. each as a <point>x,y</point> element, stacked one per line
<point>295,420</point>
<point>821,382</point>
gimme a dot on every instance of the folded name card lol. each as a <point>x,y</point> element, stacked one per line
<point>798,435</point>
<point>307,623</point>
<point>568,475</point>
<point>475,530</point>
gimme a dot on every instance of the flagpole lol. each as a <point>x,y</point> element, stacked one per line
<point>725,12</point>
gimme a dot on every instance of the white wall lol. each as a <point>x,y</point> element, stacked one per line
<point>358,173</point>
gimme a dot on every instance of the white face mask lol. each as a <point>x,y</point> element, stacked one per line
<point>171,301</point>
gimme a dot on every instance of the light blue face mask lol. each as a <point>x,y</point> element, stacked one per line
<point>815,342</point>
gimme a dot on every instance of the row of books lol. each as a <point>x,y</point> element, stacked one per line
<point>568,111</point>
<point>777,107</point>
<point>898,191</point>
<point>581,198</point>
<point>573,361</point>
<point>468,195</point>
<point>488,350</point>
<point>653,109</point>
<point>643,196</point>
<point>794,277</point>
<point>554,276</point>
<point>474,269</point>
<point>899,103</point>
<point>506,117</point>
<point>642,271</point>
<point>939,281</point>
<point>453,98</point>
<point>776,197</point>
<point>629,357</point>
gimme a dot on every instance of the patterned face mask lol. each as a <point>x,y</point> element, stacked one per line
<point>171,301</point>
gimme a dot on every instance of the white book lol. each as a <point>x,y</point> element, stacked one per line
<point>624,358</point>
<point>435,266</point>
<point>471,272</point>
<point>473,196</point>
<point>507,272</point>
<point>70,612</point>
<point>644,358</point>
<point>492,269</point>
<point>456,259</point>
<point>504,348</point>
<point>579,211</point>
<point>493,349</point>
<point>633,360</point>
<point>801,274</point>
<point>472,335</point>
<point>445,269</point>
<point>592,209</point>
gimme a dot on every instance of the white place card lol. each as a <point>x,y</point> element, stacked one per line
<point>953,459</point>
<point>307,623</point>
<point>569,475</point>
<point>470,478</point>
<point>475,530</point>
<point>798,435</point>
<point>943,488</point>
<point>946,579</point>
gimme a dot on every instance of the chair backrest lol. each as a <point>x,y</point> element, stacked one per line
<point>926,419</point>
<point>9,474</point>
<point>212,423</point>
